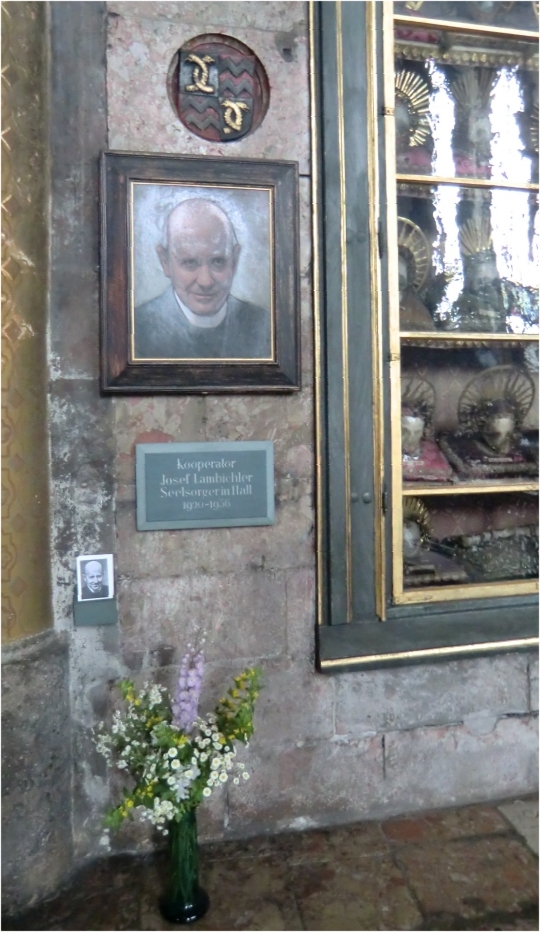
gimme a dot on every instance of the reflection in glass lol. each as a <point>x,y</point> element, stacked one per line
<point>491,412</point>
<point>469,114</point>
<point>422,459</point>
<point>522,14</point>
<point>478,252</point>
<point>471,539</point>
<point>468,414</point>
<point>425,562</point>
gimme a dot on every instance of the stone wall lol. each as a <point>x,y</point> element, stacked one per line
<point>36,769</point>
<point>326,749</point>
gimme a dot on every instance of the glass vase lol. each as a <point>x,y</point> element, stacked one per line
<point>185,901</point>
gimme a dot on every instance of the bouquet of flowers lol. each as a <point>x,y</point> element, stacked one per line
<point>175,757</point>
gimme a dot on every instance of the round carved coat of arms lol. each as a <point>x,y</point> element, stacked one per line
<point>218,88</point>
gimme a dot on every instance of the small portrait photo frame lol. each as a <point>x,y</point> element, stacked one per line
<point>95,577</point>
<point>200,274</point>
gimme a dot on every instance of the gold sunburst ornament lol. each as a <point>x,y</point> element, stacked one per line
<point>413,92</point>
<point>415,510</point>
<point>533,130</point>
<point>500,383</point>
<point>419,395</point>
<point>414,247</point>
<point>472,88</point>
<point>475,237</point>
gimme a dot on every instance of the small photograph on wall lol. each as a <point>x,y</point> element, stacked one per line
<point>200,274</point>
<point>95,577</point>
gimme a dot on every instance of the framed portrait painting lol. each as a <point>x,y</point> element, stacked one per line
<point>199,274</point>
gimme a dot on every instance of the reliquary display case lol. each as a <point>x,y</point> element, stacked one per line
<point>425,183</point>
<point>463,305</point>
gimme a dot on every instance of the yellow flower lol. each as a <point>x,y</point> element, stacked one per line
<point>137,701</point>
<point>235,693</point>
<point>129,803</point>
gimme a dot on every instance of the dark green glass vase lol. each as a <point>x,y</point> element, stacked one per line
<point>185,901</point>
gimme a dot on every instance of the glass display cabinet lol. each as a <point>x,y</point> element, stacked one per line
<point>463,273</point>
<point>427,288</point>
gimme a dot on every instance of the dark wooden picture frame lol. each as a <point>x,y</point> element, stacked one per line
<point>180,231</point>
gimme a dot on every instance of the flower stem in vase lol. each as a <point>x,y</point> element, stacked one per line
<point>185,901</point>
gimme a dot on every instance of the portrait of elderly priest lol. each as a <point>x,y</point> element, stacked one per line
<point>197,317</point>
<point>93,586</point>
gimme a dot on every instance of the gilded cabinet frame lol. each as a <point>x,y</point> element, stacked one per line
<point>365,617</point>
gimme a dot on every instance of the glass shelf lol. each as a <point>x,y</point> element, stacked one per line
<point>478,339</point>
<point>484,487</point>
<point>464,111</point>
<point>519,18</point>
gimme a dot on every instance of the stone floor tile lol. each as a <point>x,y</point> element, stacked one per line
<point>445,825</point>
<point>523,814</point>
<point>364,839</point>
<point>367,893</point>
<point>456,870</point>
<point>244,894</point>
<point>495,922</point>
<point>495,874</point>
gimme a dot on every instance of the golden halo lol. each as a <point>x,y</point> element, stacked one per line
<point>413,243</point>
<point>480,16</point>
<point>500,383</point>
<point>414,92</point>
<point>471,89</point>
<point>418,393</point>
<point>475,236</point>
<point>415,510</point>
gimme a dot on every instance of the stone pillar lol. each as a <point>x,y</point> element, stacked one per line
<point>36,733</point>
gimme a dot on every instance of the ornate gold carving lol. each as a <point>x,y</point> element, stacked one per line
<point>457,55</point>
<point>413,244</point>
<point>413,91</point>
<point>233,115</point>
<point>200,74</point>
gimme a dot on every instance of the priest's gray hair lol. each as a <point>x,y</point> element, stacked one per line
<point>198,202</point>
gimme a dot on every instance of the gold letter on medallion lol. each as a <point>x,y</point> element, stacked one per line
<point>200,74</point>
<point>233,115</point>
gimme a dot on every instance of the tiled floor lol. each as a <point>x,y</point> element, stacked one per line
<point>469,868</point>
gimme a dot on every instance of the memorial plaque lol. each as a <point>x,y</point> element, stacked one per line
<point>190,485</point>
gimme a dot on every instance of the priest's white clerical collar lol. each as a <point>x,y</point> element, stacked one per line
<point>198,320</point>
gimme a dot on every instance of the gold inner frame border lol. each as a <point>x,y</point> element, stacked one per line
<point>477,648</point>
